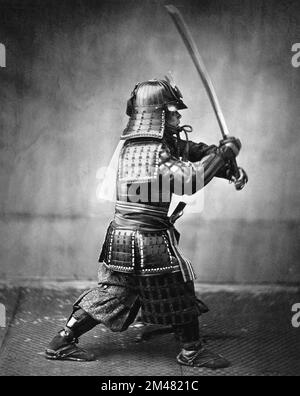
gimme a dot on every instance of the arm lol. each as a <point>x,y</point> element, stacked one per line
<point>198,152</point>
<point>187,177</point>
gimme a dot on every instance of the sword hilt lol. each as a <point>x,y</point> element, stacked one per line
<point>235,168</point>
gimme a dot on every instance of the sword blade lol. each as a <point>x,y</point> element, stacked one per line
<point>199,64</point>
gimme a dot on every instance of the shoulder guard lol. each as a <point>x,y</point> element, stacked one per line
<point>139,161</point>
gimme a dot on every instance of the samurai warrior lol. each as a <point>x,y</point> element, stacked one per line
<point>142,269</point>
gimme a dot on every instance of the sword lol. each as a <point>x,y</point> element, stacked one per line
<point>200,66</point>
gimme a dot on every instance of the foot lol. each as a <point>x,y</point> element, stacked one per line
<point>150,331</point>
<point>70,352</point>
<point>202,358</point>
<point>63,347</point>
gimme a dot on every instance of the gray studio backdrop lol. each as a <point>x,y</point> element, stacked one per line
<point>70,68</point>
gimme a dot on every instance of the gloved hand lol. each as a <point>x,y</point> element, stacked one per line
<point>235,174</point>
<point>230,148</point>
<point>242,180</point>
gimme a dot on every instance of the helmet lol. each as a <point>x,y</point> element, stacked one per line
<point>153,95</point>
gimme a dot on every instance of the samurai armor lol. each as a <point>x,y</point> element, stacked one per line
<point>164,299</point>
<point>168,300</point>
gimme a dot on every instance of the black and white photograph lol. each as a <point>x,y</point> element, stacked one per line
<point>149,190</point>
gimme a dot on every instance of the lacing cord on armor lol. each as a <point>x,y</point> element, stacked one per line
<point>186,129</point>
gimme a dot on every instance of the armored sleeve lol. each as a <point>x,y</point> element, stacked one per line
<point>198,152</point>
<point>188,177</point>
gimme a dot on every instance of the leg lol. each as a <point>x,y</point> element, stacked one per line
<point>63,345</point>
<point>113,303</point>
<point>193,353</point>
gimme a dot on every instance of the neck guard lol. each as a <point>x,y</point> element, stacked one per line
<point>145,122</point>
